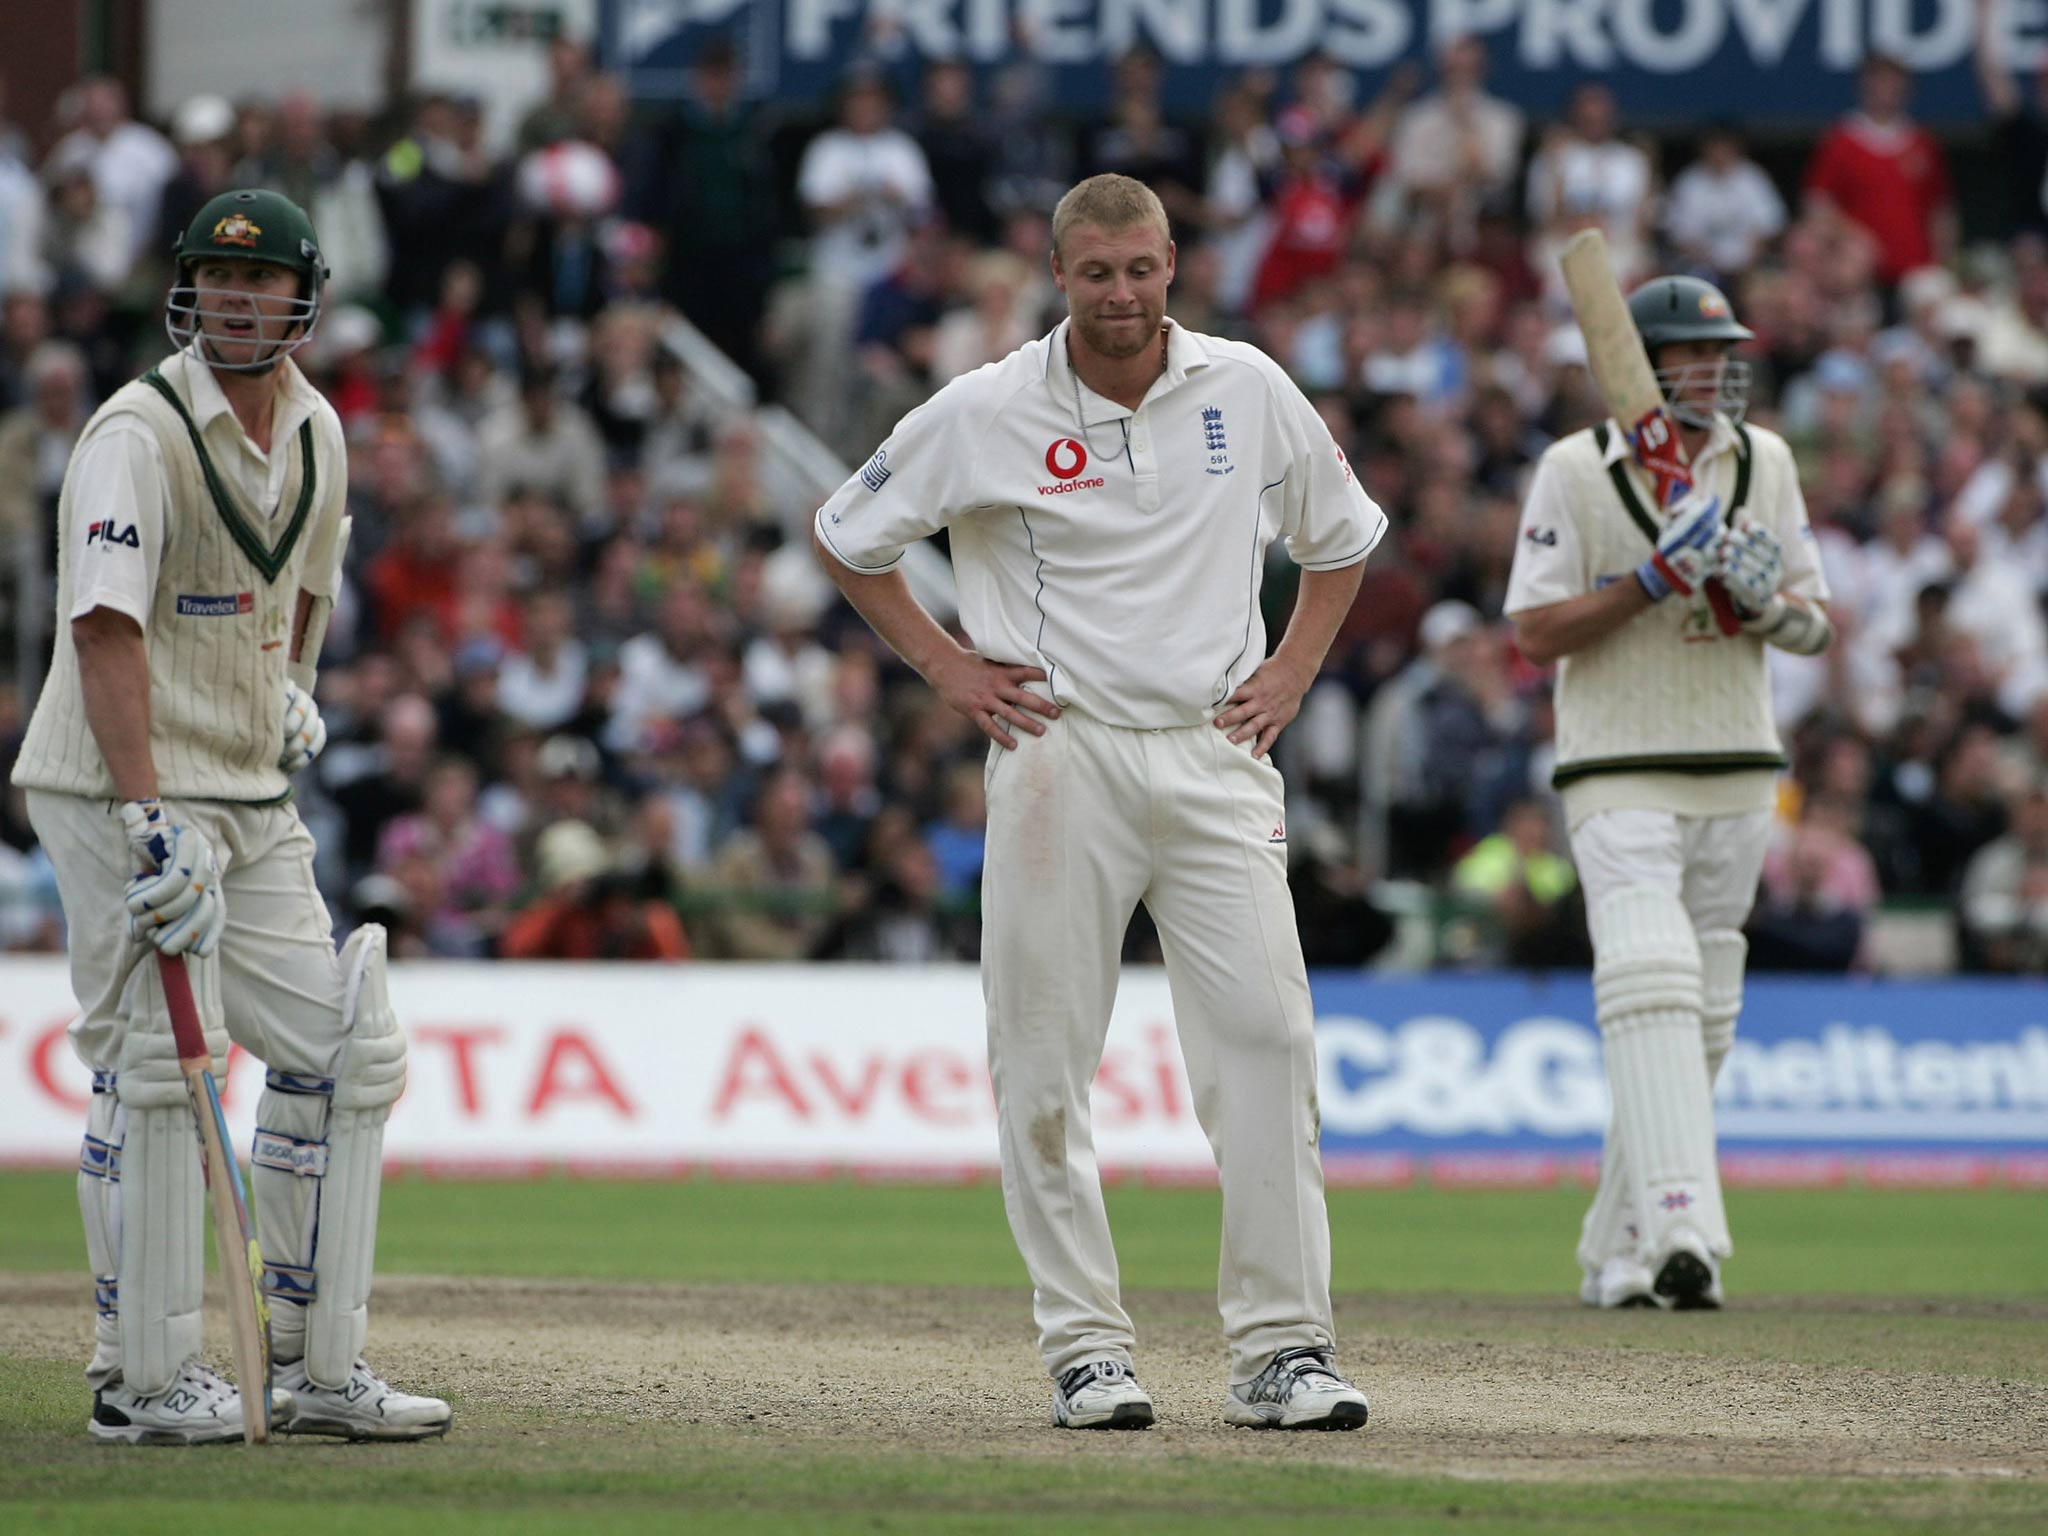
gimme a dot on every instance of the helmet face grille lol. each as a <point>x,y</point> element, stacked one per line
<point>1731,399</point>
<point>188,310</point>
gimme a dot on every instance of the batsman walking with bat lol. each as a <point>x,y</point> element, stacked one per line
<point>200,539</point>
<point>1660,553</point>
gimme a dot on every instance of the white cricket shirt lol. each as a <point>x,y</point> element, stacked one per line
<point>121,489</point>
<point>1664,712</point>
<point>1121,551</point>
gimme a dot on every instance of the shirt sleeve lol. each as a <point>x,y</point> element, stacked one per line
<point>115,524</point>
<point>1328,520</point>
<point>1550,564</point>
<point>907,491</point>
<point>1804,575</point>
<point>319,575</point>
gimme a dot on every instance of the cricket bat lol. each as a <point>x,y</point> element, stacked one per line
<point>234,1234</point>
<point>1621,368</point>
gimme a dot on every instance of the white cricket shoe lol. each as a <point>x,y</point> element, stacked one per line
<point>1298,1389</point>
<point>197,1408</point>
<point>1100,1394</point>
<point>1620,1282</point>
<point>367,1408</point>
<point>1688,1278</point>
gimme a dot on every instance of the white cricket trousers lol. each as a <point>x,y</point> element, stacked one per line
<point>1084,823</point>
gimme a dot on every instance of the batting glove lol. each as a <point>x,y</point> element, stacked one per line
<point>176,902</point>
<point>1688,552</point>
<point>1752,568</point>
<point>305,733</point>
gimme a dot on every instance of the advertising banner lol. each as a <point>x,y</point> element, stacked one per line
<point>1756,61</point>
<point>811,1070</point>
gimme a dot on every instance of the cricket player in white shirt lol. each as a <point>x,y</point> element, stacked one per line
<point>1667,756</point>
<point>200,537</point>
<point>1111,491</point>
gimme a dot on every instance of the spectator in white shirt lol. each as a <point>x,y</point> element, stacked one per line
<point>545,443</point>
<point>1724,210</point>
<point>542,684</point>
<point>864,184</point>
<point>1457,148</point>
<point>663,674</point>
<point>1586,177</point>
<point>21,226</point>
<point>130,161</point>
<point>84,238</point>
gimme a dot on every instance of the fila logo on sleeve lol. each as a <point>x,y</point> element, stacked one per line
<point>109,533</point>
<point>1064,461</point>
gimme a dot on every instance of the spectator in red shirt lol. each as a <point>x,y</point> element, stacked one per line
<point>415,573</point>
<point>590,909</point>
<point>1880,169</point>
<point>1311,203</point>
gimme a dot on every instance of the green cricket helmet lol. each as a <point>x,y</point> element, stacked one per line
<point>1682,308</point>
<point>252,224</point>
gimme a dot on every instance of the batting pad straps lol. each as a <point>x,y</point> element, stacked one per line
<point>1723,953</point>
<point>1793,627</point>
<point>370,1079</point>
<point>99,1202</point>
<point>1646,959</point>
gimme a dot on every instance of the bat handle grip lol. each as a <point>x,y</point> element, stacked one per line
<point>186,1030</point>
<point>1726,619</point>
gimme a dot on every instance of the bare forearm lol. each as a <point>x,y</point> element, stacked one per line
<point>113,677</point>
<point>1319,609</point>
<point>886,602</point>
<point>1558,629</point>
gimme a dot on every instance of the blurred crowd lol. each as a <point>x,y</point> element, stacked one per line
<point>588,695</point>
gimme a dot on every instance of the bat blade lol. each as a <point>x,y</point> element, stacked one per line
<point>1614,347</point>
<point>1620,365</point>
<point>234,1235</point>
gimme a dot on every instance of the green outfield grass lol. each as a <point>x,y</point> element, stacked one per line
<point>508,1471</point>
<point>1842,1242</point>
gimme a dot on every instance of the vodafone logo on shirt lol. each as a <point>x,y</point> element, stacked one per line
<point>1065,460</point>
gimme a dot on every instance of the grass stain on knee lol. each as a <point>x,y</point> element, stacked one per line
<point>1049,1138</point>
<point>1315,1119</point>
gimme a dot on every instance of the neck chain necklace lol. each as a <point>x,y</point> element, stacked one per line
<point>1081,416</point>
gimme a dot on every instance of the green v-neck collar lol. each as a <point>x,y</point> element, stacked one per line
<point>270,559</point>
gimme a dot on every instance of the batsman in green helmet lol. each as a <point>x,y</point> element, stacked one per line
<point>249,276</point>
<point>201,533</point>
<point>1667,764</point>
<point>1689,330</point>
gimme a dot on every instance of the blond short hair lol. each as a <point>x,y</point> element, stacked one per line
<point>1109,202</point>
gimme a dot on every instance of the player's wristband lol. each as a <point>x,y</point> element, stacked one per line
<point>1657,579</point>
<point>1792,627</point>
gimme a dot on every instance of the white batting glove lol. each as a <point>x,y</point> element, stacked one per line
<point>305,733</point>
<point>1689,550</point>
<point>1752,568</point>
<point>176,902</point>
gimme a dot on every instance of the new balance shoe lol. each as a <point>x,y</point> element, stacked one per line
<point>1620,1282</point>
<point>1298,1389</point>
<point>197,1408</point>
<point>1100,1394</point>
<point>366,1408</point>
<point>1688,1279</point>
